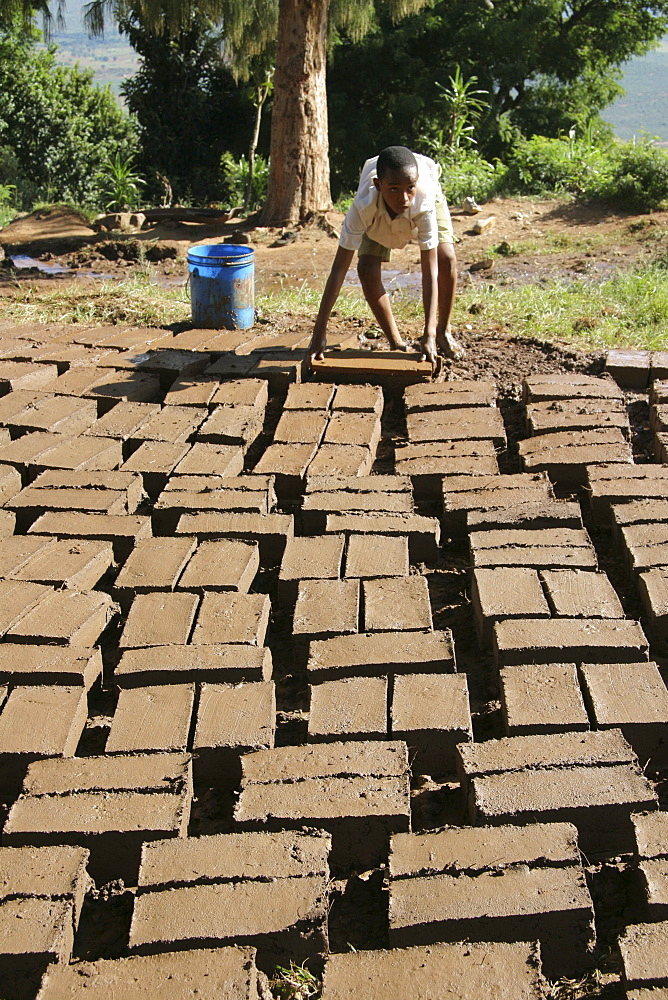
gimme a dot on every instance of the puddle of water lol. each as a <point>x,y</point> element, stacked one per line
<point>22,262</point>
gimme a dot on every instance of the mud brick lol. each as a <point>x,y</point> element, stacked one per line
<point>10,483</point>
<point>358,484</point>
<point>658,418</point>
<point>358,398</point>
<point>377,555</point>
<point>326,607</point>
<point>127,483</point>
<point>133,386</point>
<point>309,396</point>
<point>661,447</point>
<point>24,451</point>
<point>78,380</point>
<point>608,485</point>
<point>279,371</point>
<point>380,653</point>
<point>514,538</point>
<point>213,459</point>
<point>231,365</point>
<point>76,564</point>
<point>465,494</point>
<point>573,593</point>
<point>175,425</point>
<point>543,698</point>
<point>446,395</point>
<point>288,463</point>
<point>109,804</point>
<point>17,598</point>
<point>434,900</point>
<point>81,453</point>
<point>354,429</point>
<point>225,564</point>
<point>13,402</point>
<point>645,544</point>
<point>232,719</point>
<point>631,697</point>
<point>357,791</point>
<point>49,665</point>
<point>396,604</point>
<point>653,588</point>
<point>57,872</point>
<point>122,530</point>
<point>552,416</point>
<point>34,932</point>
<point>424,533</point>
<point>130,338</point>
<point>301,427</point>
<point>429,462</point>
<point>271,531</point>
<point>246,483</point>
<point>316,507</point>
<point>191,391</point>
<point>65,617</point>
<point>173,362</point>
<point>152,718</point>
<point>659,369</point>
<point>464,424</point>
<point>458,971</point>
<point>155,460</point>
<point>17,550</point>
<point>650,834</point>
<point>505,592</point>
<point>205,973</point>
<point>59,414</point>
<point>39,722</point>
<point>264,889</point>
<point>158,619</point>
<point>232,663</point>
<point>350,708</point>
<point>238,425</point>
<point>155,564</point>
<point>316,557</point>
<point>568,464</point>
<point>645,955</point>
<point>34,500</point>
<point>431,713</point>
<point>580,640</point>
<point>242,392</point>
<point>230,618</point>
<point>629,369</point>
<point>550,514</point>
<point>7,523</point>
<point>24,375</point>
<point>341,460</point>
<point>123,420</point>
<point>590,779</point>
<point>569,386</point>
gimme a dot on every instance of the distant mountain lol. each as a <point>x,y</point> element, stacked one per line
<point>644,107</point>
<point>111,58</point>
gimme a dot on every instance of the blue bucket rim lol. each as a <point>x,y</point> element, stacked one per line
<point>220,254</point>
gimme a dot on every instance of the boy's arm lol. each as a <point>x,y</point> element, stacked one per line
<point>342,261</point>
<point>429,265</point>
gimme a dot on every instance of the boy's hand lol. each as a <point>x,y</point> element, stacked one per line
<point>316,351</point>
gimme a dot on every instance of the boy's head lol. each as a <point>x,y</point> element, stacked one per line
<point>396,178</point>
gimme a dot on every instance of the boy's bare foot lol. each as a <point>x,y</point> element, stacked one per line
<point>316,350</point>
<point>397,344</point>
<point>428,349</point>
<point>450,347</point>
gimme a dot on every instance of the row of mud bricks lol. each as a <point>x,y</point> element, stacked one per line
<point>293,671</point>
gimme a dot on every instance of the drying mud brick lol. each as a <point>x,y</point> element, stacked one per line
<point>123,420</point>
<point>17,598</point>
<point>580,640</point>
<point>309,396</point>
<point>176,424</point>
<point>177,664</point>
<point>644,954</point>
<point>132,385</point>
<point>549,514</point>
<point>653,873</point>
<point>431,713</point>
<point>544,698</point>
<point>463,495</point>
<point>301,426</point>
<point>155,564</point>
<point>577,594</point>
<point>152,718</point>
<point>428,462</point>
<point>65,617</point>
<point>432,899</point>
<point>7,523</point>
<point>651,848</point>
<point>229,366</point>
<point>14,402</point>
<point>239,425</point>
<point>71,666</point>
<point>317,557</point>
<point>288,463</point>
<point>155,460</point>
<point>230,618</point>
<point>173,502</point>
<point>57,872</point>
<point>396,604</point>
<point>279,371</point>
<point>608,485</point>
<point>477,423</point>
<point>358,484</point>
<point>213,459</point>
<point>445,395</point>
<point>317,506</point>
<point>122,530</point>
<point>590,779</point>
<point>424,533</point>
<point>189,391</point>
<point>358,791</point>
<point>206,973</point>
<point>552,416</point>
<point>568,465</point>
<point>225,564</point>
<point>24,375</point>
<point>631,697</point>
<point>505,592</point>
<point>60,414</point>
<point>39,722</point>
<point>380,654</point>
<point>94,454</point>
<point>629,369</point>
<point>350,708</point>
<point>646,545</point>
<point>358,398</point>
<point>459,971</point>
<point>377,555</point>
<point>10,483</point>
<point>355,429</point>
<point>159,619</point>
<point>242,392</point>
<point>326,608</point>
<point>24,452</point>
<point>271,531</point>
<point>569,386</point>
<point>127,484</point>
<point>232,719</point>
<point>34,500</point>
<point>77,564</point>
<point>268,889</point>
<point>110,804</point>
<point>650,834</point>
<point>34,932</point>
<point>653,588</point>
<point>341,460</point>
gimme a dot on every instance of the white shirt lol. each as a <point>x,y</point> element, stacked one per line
<point>368,212</point>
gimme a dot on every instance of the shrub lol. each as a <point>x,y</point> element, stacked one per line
<point>235,180</point>
<point>637,178</point>
<point>543,165</point>
<point>467,173</point>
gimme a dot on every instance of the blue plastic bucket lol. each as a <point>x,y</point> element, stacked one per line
<point>222,286</point>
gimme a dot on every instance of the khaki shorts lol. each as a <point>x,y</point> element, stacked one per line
<point>445,233</point>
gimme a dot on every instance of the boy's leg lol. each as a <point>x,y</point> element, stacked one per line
<point>369,271</point>
<point>447,284</point>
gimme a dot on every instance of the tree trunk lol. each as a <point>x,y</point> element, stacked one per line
<point>299,150</point>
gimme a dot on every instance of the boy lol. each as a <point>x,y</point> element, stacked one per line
<point>399,197</point>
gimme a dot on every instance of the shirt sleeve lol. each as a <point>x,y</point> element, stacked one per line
<point>427,229</point>
<point>352,230</point>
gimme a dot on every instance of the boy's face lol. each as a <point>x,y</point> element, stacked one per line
<point>397,188</point>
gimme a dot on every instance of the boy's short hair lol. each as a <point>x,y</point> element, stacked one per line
<point>395,158</point>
